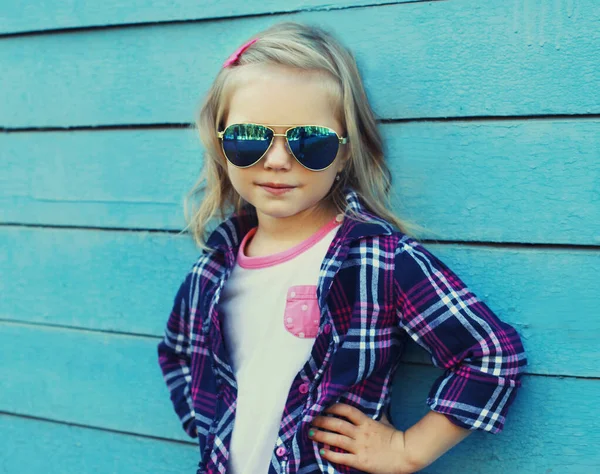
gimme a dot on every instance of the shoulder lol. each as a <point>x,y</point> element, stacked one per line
<point>401,253</point>
<point>202,273</point>
<point>417,267</point>
<point>385,236</point>
<point>209,266</point>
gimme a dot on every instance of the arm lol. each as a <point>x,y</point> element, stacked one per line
<point>429,438</point>
<point>174,353</point>
<point>483,360</point>
<point>483,357</point>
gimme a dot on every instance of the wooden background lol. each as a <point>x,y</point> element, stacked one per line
<point>491,112</point>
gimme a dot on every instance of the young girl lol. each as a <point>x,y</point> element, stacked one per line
<point>286,332</point>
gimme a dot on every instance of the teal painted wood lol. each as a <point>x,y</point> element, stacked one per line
<point>55,14</point>
<point>100,179</point>
<point>530,181</point>
<point>534,181</point>
<point>549,295</point>
<point>110,381</point>
<point>428,67</point>
<point>35,446</point>
<point>129,279</point>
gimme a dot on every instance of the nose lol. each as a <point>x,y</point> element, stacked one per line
<point>279,156</point>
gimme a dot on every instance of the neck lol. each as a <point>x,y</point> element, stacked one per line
<point>281,233</point>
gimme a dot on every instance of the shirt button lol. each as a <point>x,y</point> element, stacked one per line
<point>327,328</point>
<point>304,307</point>
<point>280,451</point>
<point>290,320</point>
<point>339,217</point>
<point>301,334</point>
<point>293,294</point>
<point>303,388</point>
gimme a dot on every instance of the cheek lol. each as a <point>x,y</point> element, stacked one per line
<point>320,184</point>
<point>327,178</point>
<point>237,177</point>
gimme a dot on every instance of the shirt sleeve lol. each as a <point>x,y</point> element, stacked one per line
<point>174,355</point>
<point>483,357</point>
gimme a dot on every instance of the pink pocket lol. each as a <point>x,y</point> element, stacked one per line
<point>302,314</point>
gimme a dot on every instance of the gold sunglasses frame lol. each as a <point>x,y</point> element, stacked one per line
<point>342,141</point>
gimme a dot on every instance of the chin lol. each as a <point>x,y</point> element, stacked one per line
<point>278,212</point>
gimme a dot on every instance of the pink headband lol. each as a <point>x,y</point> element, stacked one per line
<point>235,56</point>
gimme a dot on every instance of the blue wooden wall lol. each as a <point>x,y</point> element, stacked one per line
<point>491,112</point>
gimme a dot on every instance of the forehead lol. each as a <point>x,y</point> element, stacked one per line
<point>277,95</point>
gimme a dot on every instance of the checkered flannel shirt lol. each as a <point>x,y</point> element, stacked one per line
<point>377,287</point>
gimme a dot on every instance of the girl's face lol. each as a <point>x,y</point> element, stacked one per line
<point>276,96</point>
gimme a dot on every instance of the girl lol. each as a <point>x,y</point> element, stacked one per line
<point>286,333</point>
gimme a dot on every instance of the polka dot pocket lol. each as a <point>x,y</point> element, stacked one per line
<point>302,314</point>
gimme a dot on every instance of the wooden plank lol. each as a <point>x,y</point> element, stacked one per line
<point>32,446</point>
<point>94,379</point>
<point>111,281</point>
<point>123,179</point>
<point>57,14</point>
<point>428,67</point>
<point>535,181</point>
<point>126,282</point>
<point>112,382</point>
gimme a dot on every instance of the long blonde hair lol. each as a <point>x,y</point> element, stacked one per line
<point>302,47</point>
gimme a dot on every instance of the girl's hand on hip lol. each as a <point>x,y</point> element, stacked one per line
<point>372,446</point>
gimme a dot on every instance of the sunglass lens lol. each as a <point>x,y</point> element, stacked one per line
<point>314,147</point>
<point>245,144</point>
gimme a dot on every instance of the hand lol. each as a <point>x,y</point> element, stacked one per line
<point>370,445</point>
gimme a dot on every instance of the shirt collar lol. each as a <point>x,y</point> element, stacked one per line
<point>229,234</point>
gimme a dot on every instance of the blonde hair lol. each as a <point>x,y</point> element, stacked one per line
<point>301,47</point>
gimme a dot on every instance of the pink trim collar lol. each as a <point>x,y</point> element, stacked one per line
<point>280,257</point>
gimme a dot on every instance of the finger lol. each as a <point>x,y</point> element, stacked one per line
<point>353,414</point>
<point>337,425</point>
<point>346,459</point>
<point>332,439</point>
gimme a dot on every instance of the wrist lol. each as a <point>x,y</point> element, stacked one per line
<point>405,464</point>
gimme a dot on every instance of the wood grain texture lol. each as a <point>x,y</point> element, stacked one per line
<point>17,17</point>
<point>82,309</point>
<point>126,282</point>
<point>93,379</point>
<point>428,67</point>
<point>31,446</point>
<point>535,181</point>
<point>113,382</point>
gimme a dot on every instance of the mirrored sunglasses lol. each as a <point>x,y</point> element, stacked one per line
<point>313,146</point>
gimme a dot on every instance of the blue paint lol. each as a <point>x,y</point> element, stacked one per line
<point>33,446</point>
<point>81,389</point>
<point>109,382</point>
<point>99,288</point>
<point>427,68</point>
<point>534,181</point>
<point>54,14</point>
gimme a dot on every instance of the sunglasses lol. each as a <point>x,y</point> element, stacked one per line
<point>313,146</point>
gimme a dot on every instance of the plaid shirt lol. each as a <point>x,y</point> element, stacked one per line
<point>377,287</point>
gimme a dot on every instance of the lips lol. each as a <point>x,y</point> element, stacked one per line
<point>276,188</point>
<point>276,185</point>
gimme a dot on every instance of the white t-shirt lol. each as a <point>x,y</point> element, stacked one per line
<point>270,320</point>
